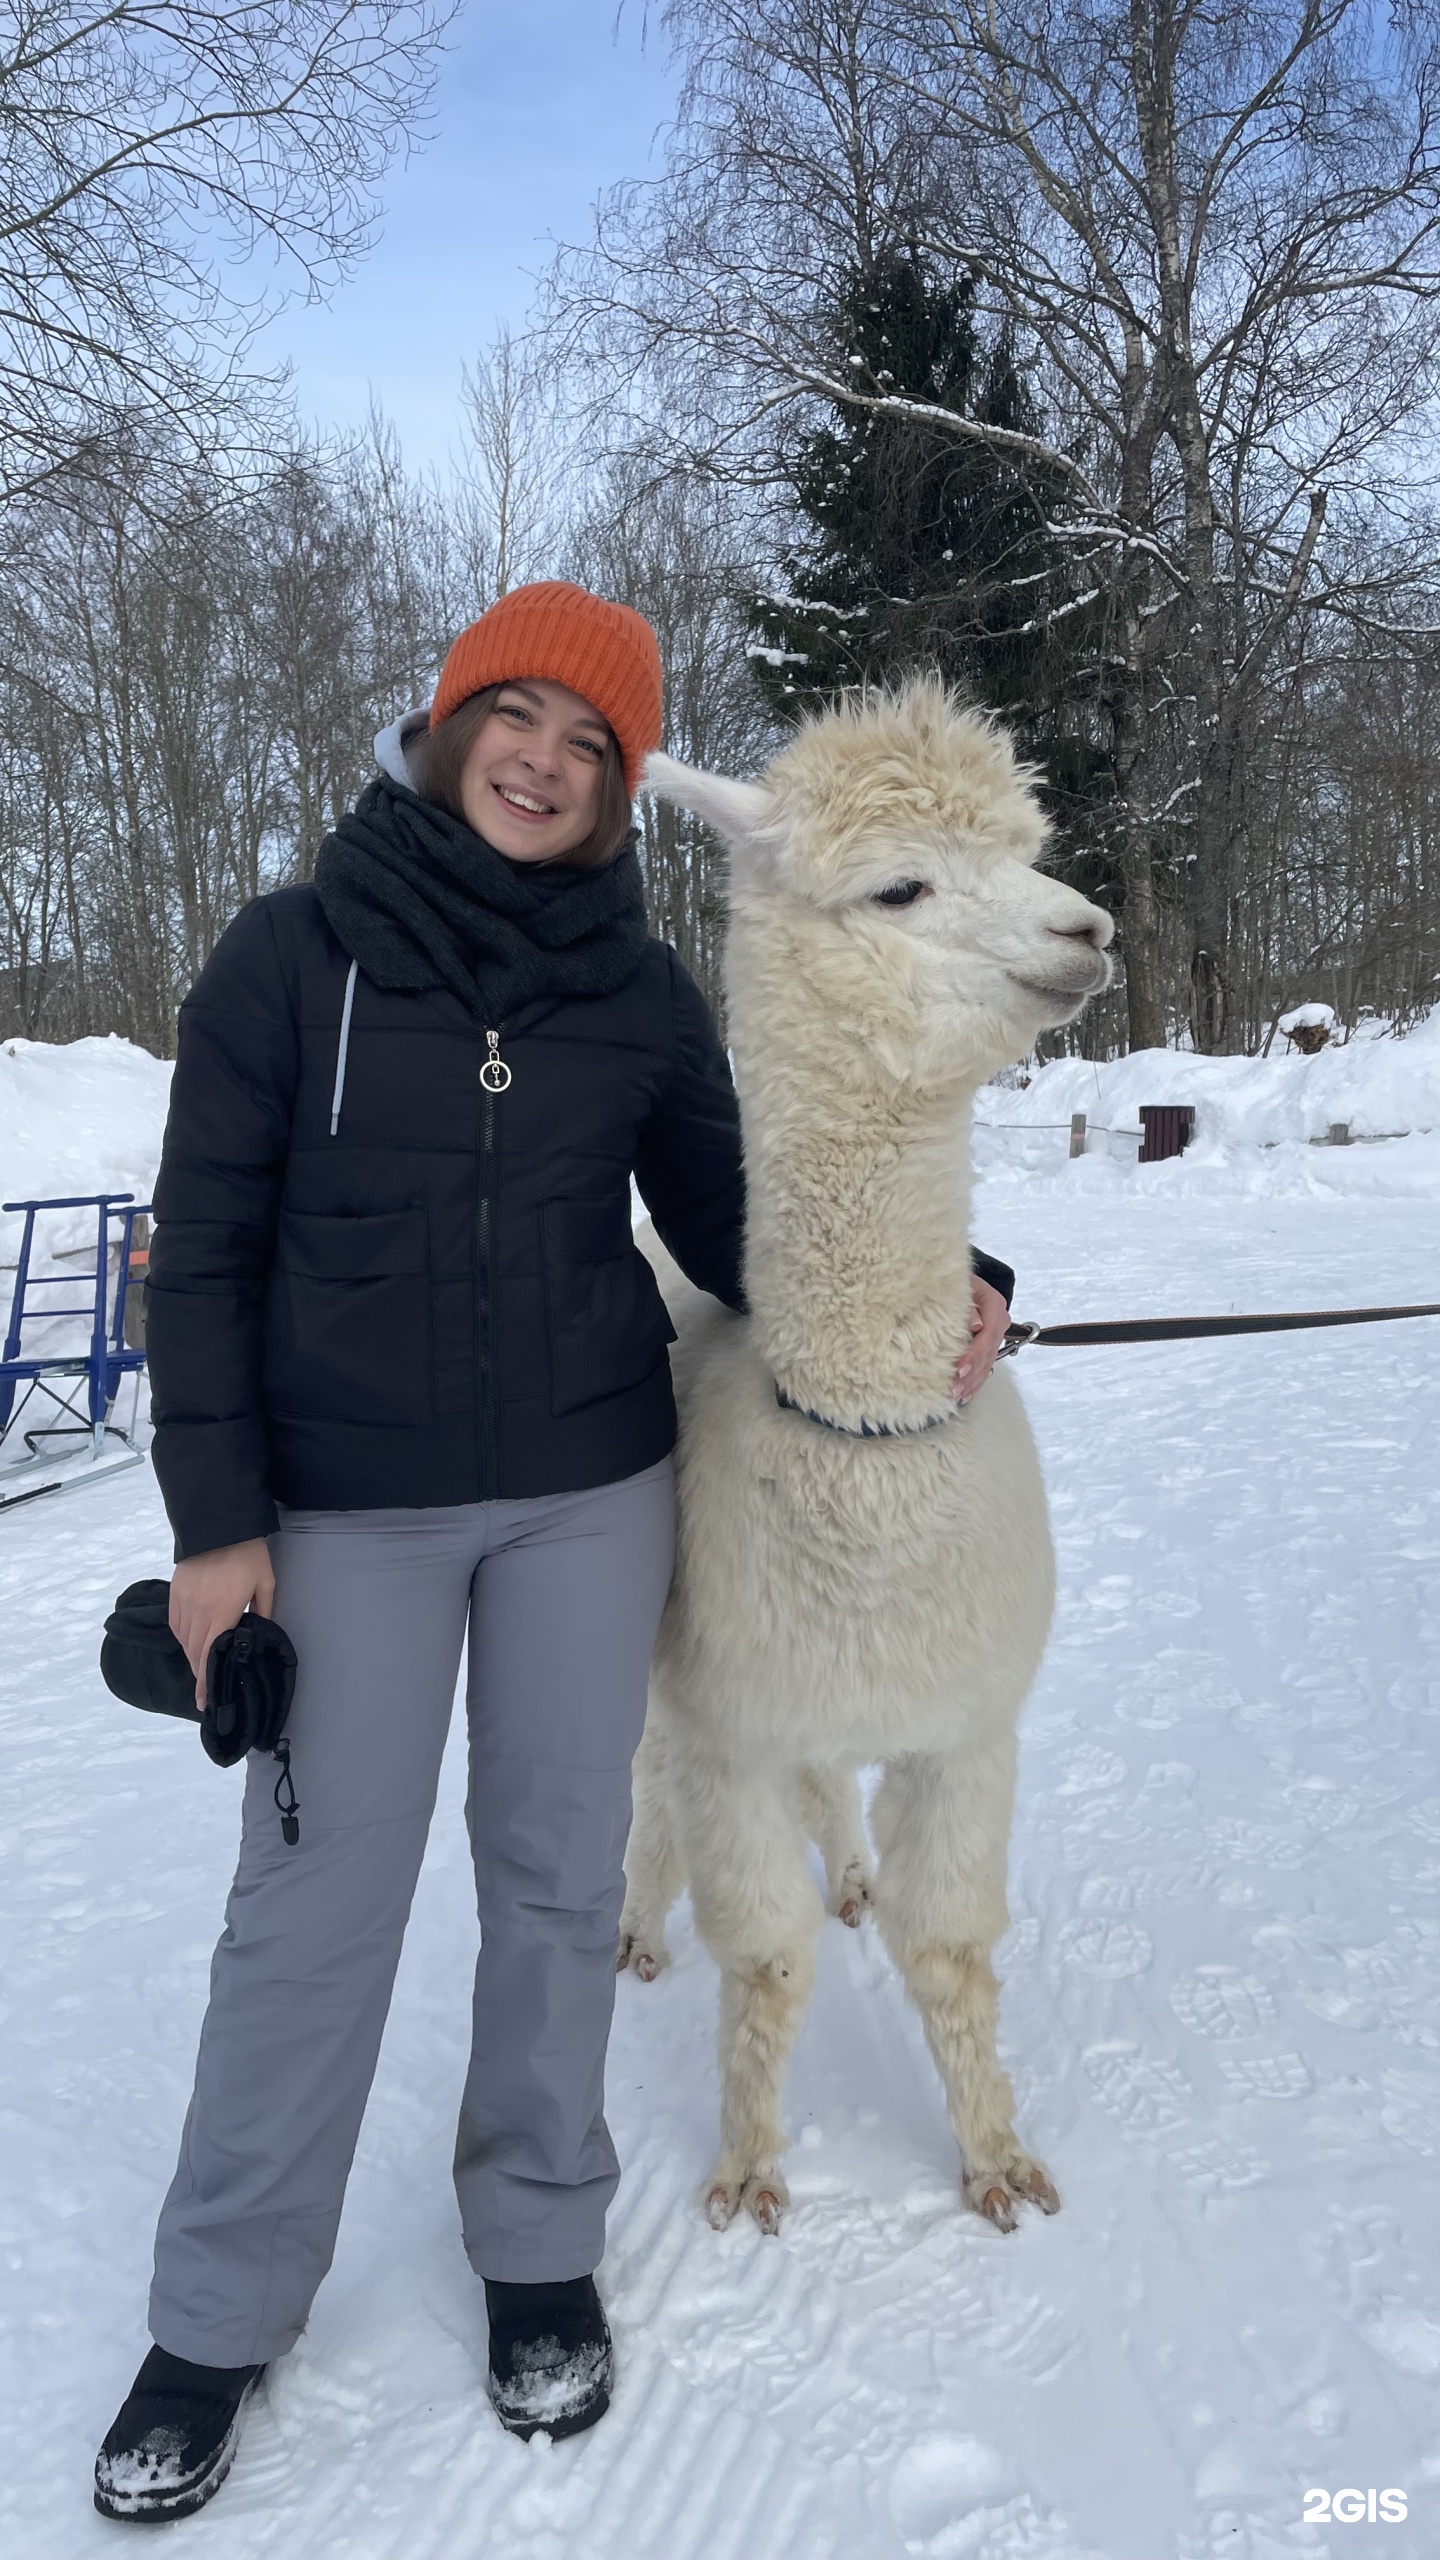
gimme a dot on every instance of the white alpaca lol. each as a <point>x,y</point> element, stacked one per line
<point>864,1571</point>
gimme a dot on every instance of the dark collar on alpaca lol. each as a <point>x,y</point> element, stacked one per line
<point>866,1430</point>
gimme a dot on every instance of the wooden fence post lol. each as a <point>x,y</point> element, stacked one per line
<point>1077,1133</point>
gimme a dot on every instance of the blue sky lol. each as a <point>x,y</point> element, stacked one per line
<point>539,105</point>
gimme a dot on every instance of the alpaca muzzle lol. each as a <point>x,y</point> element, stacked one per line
<point>1069,992</point>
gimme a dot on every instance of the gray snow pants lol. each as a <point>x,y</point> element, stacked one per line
<point>562,1596</point>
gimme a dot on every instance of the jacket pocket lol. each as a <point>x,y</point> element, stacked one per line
<point>608,1322</point>
<point>347,1320</point>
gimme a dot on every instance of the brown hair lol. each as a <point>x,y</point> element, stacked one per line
<point>437,760</point>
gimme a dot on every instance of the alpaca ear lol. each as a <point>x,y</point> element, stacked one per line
<point>740,812</point>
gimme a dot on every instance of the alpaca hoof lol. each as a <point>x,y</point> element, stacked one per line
<point>996,2205</point>
<point>853,1895</point>
<point>1037,2189</point>
<point>633,1955</point>
<point>764,2197</point>
<point>995,2192</point>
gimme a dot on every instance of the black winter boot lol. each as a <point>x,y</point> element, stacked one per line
<point>175,2438</point>
<point>551,2360</point>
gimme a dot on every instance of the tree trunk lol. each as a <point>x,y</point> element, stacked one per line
<point>1140,941</point>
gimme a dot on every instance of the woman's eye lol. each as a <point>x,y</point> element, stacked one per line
<point>901,893</point>
<point>589,747</point>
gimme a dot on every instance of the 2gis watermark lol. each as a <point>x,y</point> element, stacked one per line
<point>1355,2506</point>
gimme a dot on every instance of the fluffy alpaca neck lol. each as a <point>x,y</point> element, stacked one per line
<point>858,1182</point>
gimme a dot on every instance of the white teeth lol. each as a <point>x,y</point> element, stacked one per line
<point>517,800</point>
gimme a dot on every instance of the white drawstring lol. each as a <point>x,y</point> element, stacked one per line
<point>344,1046</point>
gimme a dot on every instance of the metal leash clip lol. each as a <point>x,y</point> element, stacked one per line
<point>1017,1338</point>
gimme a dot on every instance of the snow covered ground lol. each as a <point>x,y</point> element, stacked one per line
<point>1226,1853</point>
<point>1380,1086</point>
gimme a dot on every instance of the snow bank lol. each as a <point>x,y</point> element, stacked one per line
<point>86,1117</point>
<point>90,1117</point>
<point>1257,1120</point>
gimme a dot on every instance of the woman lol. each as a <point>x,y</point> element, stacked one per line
<point>409,1377</point>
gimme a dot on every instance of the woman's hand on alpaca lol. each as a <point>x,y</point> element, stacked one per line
<point>211,1592</point>
<point>989,1316</point>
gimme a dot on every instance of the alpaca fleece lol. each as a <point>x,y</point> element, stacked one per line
<point>841,1601</point>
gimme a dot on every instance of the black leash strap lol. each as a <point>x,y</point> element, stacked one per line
<point>1019,1336</point>
<point>1195,1328</point>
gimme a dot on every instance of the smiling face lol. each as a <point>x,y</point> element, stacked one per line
<point>531,783</point>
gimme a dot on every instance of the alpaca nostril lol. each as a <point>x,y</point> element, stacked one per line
<point>1096,930</point>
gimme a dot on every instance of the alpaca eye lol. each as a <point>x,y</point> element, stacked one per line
<point>901,893</point>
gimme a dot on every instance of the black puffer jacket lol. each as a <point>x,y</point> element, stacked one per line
<point>443,1302</point>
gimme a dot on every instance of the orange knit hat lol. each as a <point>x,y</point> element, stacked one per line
<point>605,651</point>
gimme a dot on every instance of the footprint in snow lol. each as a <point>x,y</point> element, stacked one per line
<point>1143,2094</point>
<point>1269,2075</point>
<point>1090,1768</point>
<point>1411,2113</point>
<point>1215,2168</point>
<point>1219,2002</point>
<point>1106,1893</point>
<point>1109,1949</point>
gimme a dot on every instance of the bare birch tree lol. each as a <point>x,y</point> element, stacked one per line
<point>190,684</point>
<point>167,168</point>
<point>1212,234</point>
<point>513,464</point>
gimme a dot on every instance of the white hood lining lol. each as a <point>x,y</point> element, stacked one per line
<point>390,745</point>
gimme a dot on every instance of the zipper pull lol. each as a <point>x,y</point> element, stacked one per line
<point>494,1075</point>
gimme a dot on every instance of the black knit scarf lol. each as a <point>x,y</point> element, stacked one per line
<point>421,901</point>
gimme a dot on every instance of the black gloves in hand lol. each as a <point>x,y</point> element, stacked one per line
<point>249,1680</point>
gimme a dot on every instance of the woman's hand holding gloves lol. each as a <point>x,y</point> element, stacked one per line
<point>211,1592</point>
<point>989,1316</point>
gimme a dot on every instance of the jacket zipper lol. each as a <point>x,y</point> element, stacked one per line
<point>492,1071</point>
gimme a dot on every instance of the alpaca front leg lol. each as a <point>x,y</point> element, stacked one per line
<point>759,1914</point>
<point>942,1826</point>
<point>654,1872</point>
<point>830,1810</point>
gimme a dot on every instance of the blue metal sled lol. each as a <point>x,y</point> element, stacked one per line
<point>93,1376</point>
